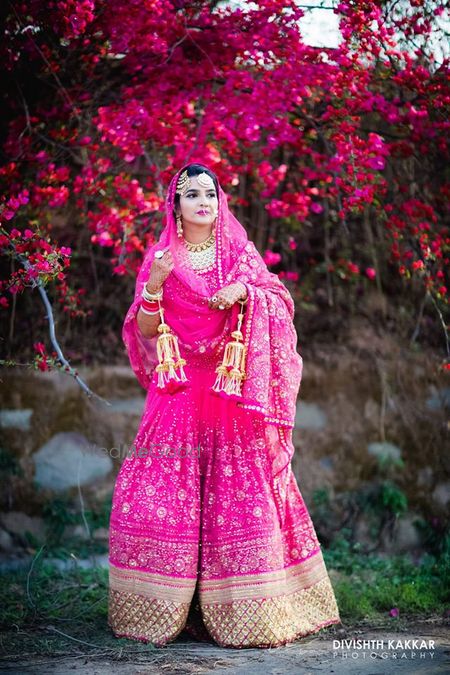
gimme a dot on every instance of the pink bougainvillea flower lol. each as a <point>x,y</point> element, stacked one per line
<point>354,269</point>
<point>271,258</point>
<point>319,128</point>
<point>39,347</point>
<point>292,276</point>
<point>316,207</point>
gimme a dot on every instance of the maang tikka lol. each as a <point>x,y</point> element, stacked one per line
<point>183,185</point>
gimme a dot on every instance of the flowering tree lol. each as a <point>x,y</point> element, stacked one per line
<point>337,158</point>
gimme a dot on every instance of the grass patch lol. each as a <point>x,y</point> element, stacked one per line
<point>48,612</point>
<point>373,586</point>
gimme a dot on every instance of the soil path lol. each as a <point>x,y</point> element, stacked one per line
<point>308,656</point>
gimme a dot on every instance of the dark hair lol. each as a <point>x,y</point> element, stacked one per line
<point>196,170</point>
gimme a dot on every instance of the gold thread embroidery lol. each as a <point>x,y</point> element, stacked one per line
<point>270,622</point>
<point>239,611</point>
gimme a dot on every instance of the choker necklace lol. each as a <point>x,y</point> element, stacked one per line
<point>202,245</point>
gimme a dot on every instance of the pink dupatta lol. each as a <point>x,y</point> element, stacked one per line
<point>273,365</point>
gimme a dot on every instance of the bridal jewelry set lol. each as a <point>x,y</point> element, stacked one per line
<point>231,372</point>
<point>201,255</point>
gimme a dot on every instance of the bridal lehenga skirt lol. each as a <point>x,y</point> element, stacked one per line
<point>198,540</point>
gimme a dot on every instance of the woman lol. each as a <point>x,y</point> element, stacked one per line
<point>209,532</point>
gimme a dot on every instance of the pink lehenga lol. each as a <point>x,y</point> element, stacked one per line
<point>209,532</point>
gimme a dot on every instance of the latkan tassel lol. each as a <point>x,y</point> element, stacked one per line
<point>231,372</point>
<point>168,356</point>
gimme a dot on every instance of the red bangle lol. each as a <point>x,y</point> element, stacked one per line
<point>149,305</point>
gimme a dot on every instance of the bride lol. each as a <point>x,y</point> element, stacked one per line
<point>210,533</point>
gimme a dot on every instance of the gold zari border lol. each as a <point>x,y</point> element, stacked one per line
<point>267,584</point>
<point>157,586</point>
<point>272,622</point>
<point>264,610</point>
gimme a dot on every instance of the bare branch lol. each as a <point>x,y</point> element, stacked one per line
<point>68,368</point>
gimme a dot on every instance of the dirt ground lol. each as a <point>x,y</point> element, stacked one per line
<point>313,654</point>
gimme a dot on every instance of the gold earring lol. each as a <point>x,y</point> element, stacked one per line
<point>179,226</point>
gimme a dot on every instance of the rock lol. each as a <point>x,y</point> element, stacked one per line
<point>76,531</point>
<point>117,370</point>
<point>69,458</point>
<point>310,416</point>
<point>73,563</point>
<point>405,536</point>
<point>130,406</point>
<point>363,532</point>
<point>80,532</point>
<point>327,463</point>
<point>441,494</point>
<point>57,381</point>
<point>372,412</point>
<point>384,451</point>
<point>102,533</point>
<point>16,419</point>
<point>6,542</point>
<point>20,523</point>
<point>439,400</point>
<point>425,477</point>
<point>14,562</point>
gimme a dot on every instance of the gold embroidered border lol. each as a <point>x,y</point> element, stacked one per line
<point>265,610</point>
<point>272,622</point>
<point>156,586</point>
<point>138,618</point>
<point>266,584</point>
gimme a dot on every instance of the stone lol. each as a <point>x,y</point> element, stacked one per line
<point>425,477</point>
<point>129,406</point>
<point>94,561</point>
<point>76,532</point>
<point>309,416</point>
<point>439,400</point>
<point>363,533</point>
<point>384,450</point>
<point>372,411</point>
<point>6,542</point>
<point>80,532</point>
<point>68,459</point>
<point>16,419</point>
<point>327,463</point>
<point>101,533</point>
<point>441,494</point>
<point>405,536</point>
<point>17,522</point>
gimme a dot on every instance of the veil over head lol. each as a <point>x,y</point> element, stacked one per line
<point>231,238</point>
<point>273,365</point>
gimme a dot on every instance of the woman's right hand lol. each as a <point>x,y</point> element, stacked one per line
<point>159,271</point>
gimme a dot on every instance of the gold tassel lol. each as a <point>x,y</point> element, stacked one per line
<point>231,372</point>
<point>168,355</point>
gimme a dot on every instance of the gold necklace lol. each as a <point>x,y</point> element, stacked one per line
<point>202,245</point>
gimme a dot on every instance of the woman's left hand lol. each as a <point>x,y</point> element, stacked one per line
<point>228,295</point>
